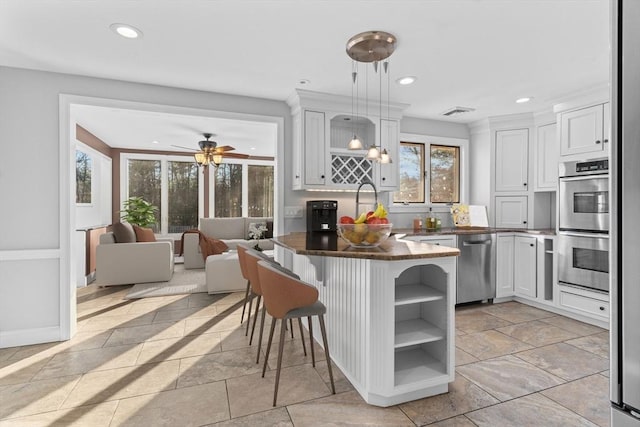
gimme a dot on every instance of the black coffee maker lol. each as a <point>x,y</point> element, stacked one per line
<point>322,215</point>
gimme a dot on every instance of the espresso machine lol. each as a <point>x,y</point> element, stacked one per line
<point>322,215</point>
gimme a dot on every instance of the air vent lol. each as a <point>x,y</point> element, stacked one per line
<point>457,110</point>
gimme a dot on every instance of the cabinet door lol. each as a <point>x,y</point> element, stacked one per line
<point>296,153</point>
<point>504,266</point>
<point>548,153</point>
<point>524,266</point>
<point>314,148</point>
<point>581,131</point>
<point>511,212</point>
<point>606,126</point>
<point>512,158</point>
<point>388,172</point>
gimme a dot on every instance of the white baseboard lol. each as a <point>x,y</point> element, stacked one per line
<point>29,336</point>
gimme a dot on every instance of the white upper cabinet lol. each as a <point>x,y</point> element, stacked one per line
<point>511,211</point>
<point>547,155</point>
<point>585,130</point>
<point>389,138</point>
<point>314,148</point>
<point>512,158</point>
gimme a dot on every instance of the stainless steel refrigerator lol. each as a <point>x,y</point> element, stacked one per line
<point>625,214</point>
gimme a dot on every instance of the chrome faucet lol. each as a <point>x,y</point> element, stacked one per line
<point>375,193</point>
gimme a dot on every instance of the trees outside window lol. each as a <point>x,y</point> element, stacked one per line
<point>228,190</point>
<point>145,182</point>
<point>83,177</point>
<point>183,196</point>
<point>260,188</point>
<point>444,174</point>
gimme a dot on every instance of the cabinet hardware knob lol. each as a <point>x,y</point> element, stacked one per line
<point>297,176</point>
<point>598,142</point>
<point>322,176</point>
<point>531,244</point>
<point>524,222</point>
<point>384,179</point>
<point>525,184</point>
<point>601,308</point>
<point>606,140</point>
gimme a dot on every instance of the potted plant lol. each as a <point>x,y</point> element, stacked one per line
<point>138,211</point>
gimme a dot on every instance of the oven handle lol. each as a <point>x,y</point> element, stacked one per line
<point>584,178</point>
<point>579,234</point>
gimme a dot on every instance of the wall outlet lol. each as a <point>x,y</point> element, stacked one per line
<point>293,211</point>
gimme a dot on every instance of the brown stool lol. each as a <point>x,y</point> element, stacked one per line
<point>251,259</point>
<point>241,251</point>
<point>288,298</point>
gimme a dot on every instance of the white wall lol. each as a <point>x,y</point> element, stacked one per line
<point>480,166</point>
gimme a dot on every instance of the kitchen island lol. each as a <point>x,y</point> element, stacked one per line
<point>390,311</point>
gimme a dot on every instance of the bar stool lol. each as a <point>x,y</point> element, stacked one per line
<point>241,249</point>
<point>288,298</point>
<point>251,259</point>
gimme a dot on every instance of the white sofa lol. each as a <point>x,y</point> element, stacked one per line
<point>230,230</point>
<point>139,262</point>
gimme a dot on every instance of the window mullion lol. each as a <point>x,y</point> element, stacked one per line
<point>245,189</point>
<point>164,197</point>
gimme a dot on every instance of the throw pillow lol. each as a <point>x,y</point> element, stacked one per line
<point>123,232</point>
<point>144,234</point>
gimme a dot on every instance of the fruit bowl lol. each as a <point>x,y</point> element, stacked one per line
<point>364,235</point>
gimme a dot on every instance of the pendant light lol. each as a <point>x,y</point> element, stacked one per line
<point>355,143</point>
<point>373,46</point>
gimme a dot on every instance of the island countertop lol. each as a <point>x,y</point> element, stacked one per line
<point>330,245</point>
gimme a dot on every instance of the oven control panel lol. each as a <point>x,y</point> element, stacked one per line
<point>594,165</point>
<point>584,167</point>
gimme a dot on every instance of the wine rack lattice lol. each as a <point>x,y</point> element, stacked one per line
<point>347,169</point>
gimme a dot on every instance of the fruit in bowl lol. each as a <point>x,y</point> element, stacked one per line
<point>369,230</point>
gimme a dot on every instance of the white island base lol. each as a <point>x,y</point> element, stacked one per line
<point>390,324</point>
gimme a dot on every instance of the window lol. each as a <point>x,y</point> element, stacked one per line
<point>170,183</point>
<point>83,178</point>
<point>444,174</point>
<point>242,188</point>
<point>430,170</point>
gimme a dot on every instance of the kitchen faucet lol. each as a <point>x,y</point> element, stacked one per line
<point>375,193</point>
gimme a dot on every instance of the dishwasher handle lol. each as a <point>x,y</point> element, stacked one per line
<point>477,243</point>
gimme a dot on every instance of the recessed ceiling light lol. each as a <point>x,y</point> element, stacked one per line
<point>407,80</point>
<point>253,148</point>
<point>155,142</point>
<point>126,31</point>
<point>304,81</point>
<point>523,100</point>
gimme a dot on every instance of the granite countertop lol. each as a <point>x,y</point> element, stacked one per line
<point>473,230</point>
<point>329,244</point>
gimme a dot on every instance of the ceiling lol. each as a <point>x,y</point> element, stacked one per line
<point>472,53</point>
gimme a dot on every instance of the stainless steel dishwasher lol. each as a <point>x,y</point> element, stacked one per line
<point>476,268</point>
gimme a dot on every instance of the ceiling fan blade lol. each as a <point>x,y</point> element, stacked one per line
<point>225,148</point>
<point>261,158</point>
<point>185,148</point>
<point>235,155</point>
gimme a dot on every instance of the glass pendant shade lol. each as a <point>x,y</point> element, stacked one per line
<point>355,143</point>
<point>385,158</point>
<point>200,158</point>
<point>373,153</point>
<point>217,159</point>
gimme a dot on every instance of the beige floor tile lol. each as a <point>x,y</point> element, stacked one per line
<point>293,352</point>
<point>477,321</point>
<point>488,344</point>
<point>251,393</point>
<point>217,367</point>
<point>184,313</point>
<point>596,344</point>
<point>151,332</point>
<point>235,338</point>
<point>565,361</point>
<point>605,374</point>
<point>459,421</point>
<point>86,341</point>
<point>587,396</point>
<point>532,410</point>
<point>111,307</point>
<point>91,415</point>
<point>537,333</point>
<point>120,383</point>
<point>36,351</point>
<point>149,305</point>
<point>341,382</point>
<point>20,370</point>
<point>345,409</point>
<point>101,323</point>
<point>191,406</point>
<point>571,325</point>
<point>463,396</point>
<point>177,348</point>
<point>200,300</point>
<point>80,362</point>
<point>32,398</point>
<point>508,377</point>
<point>6,353</point>
<point>516,312</point>
<point>463,358</point>
<point>278,417</point>
<point>459,332</point>
<point>218,323</point>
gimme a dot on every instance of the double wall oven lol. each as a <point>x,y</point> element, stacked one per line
<point>584,224</point>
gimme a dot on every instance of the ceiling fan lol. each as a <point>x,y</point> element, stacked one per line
<point>211,153</point>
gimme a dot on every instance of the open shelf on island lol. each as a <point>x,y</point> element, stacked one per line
<point>411,294</point>
<point>416,365</point>
<point>416,331</point>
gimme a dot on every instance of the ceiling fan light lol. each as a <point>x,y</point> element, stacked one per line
<point>217,159</point>
<point>201,158</point>
<point>373,153</point>
<point>355,143</point>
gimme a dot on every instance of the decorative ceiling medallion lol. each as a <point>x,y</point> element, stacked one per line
<point>371,46</point>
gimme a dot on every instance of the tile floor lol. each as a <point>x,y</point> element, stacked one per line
<point>184,361</point>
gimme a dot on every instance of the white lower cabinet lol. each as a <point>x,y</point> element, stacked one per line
<point>504,266</point>
<point>421,346</point>
<point>524,266</point>
<point>585,302</point>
